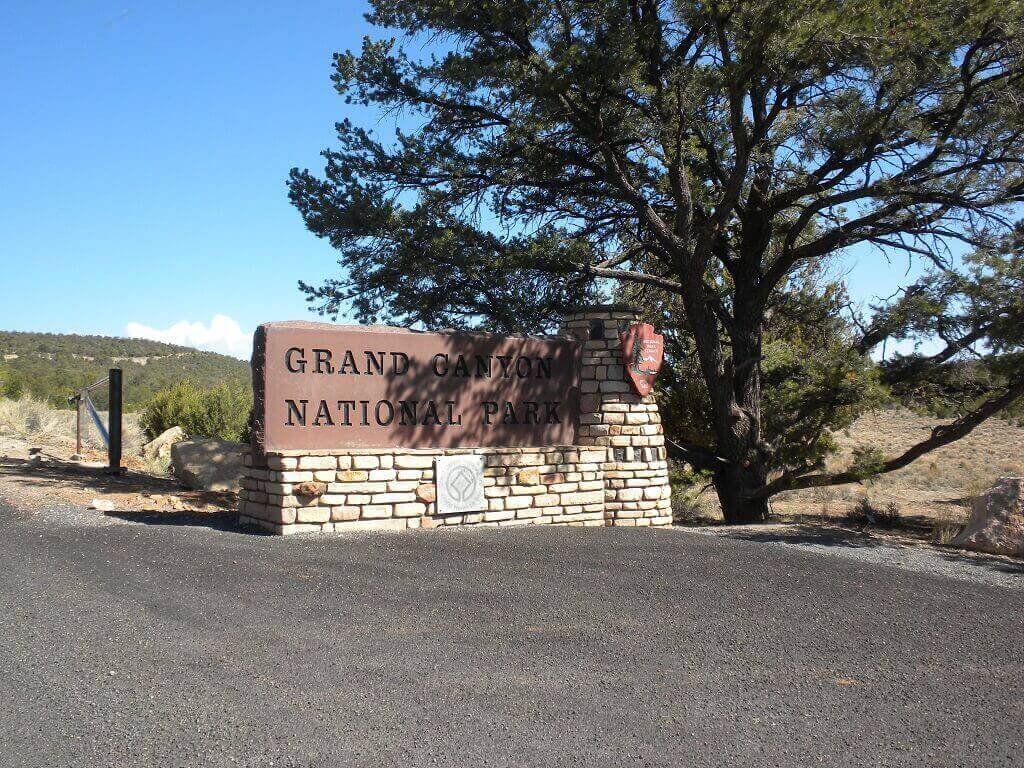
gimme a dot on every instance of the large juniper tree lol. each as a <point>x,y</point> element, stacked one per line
<point>702,157</point>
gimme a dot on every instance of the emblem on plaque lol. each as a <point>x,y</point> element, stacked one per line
<point>460,484</point>
<point>642,353</point>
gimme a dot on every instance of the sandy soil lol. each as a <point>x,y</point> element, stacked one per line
<point>935,490</point>
<point>46,476</point>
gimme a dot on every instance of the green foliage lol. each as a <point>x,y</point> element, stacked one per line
<point>51,367</point>
<point>978,310</point>
<point>12,383</point>
<point>957,387</point>
<point>220,412</point>
<point>867,461</point>
<point>704,159</point>
<point>543,140</point>
<point>814,381</point>
<point>811,391</point>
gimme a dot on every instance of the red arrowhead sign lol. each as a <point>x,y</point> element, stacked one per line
<point>642,353</point>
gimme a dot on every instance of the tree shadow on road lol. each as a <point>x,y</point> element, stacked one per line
<point>220,520</point>
<point>828,536</point>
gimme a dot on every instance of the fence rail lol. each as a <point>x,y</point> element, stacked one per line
<point>111,431</point>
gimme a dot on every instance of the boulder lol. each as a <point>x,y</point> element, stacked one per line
<point>160,448</point>
<point>996,524</point>
<point>209,465</point>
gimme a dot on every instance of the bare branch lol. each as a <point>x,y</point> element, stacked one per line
<point>940,436</point>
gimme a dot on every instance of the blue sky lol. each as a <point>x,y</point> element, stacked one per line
<point>145,150</point>
<point>144,154</point>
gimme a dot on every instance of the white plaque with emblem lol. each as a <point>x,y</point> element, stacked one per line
<point>460,484</point>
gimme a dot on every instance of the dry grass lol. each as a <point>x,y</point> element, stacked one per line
<point>933,492</point>
<point>36,422</point>
<point>28,419</point>
<point>931,496</point>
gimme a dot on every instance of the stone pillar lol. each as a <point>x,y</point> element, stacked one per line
<point>615,418</point>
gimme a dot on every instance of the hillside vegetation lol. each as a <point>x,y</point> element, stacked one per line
<point>51,367</point>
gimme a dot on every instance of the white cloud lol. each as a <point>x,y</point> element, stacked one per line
<point>222,335</point>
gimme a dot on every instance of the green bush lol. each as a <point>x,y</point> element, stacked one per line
<point>689,506</point>
<point>11,385</point>
<point>220,412</point>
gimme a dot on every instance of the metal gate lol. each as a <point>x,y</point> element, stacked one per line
<point>110,432</point>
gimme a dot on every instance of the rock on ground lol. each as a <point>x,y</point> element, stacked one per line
<point>209,465</point>
<point>160,448</point>
<point>996,524</point>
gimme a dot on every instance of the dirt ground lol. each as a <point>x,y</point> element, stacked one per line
<point>932,495</point>
<point>935,489</point>
<point>45,475</point>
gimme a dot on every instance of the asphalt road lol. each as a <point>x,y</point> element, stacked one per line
<point>163,645</point>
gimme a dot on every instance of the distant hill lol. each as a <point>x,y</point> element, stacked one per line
<point>51,366</point>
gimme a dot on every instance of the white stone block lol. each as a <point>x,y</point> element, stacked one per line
<point>318,462</point>
<point>413,461</point>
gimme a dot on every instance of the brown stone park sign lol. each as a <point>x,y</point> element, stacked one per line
<point>374,428</point>
<point>327,386</point>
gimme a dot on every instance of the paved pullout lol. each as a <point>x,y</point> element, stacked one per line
<point>149,644</point>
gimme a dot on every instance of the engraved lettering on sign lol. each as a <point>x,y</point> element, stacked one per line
<point>326,386</point>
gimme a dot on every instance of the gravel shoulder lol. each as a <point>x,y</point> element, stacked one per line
<point>891,551</point>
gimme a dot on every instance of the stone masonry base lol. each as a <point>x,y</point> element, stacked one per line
<point>394,489</point>
<point>617,474</point>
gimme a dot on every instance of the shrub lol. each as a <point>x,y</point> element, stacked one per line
<point>30,418</point>
<point>865,514</point>
<point>943,533</point>
<point>889,517</point>
<point>688,504</point>
<point>867,462</point>
<point>11,385</point>
<point>220,412</point>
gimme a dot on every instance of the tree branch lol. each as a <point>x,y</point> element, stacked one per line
<point>696,455</point>
<point>941,435</point>
<point>634,277</point>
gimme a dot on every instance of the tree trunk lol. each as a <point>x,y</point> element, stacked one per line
<point>734,485</point>
<point>738,421</point>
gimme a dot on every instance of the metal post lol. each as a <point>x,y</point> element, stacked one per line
<point>76,400</point>
<point>114,422</point>
<point>78,425</point>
